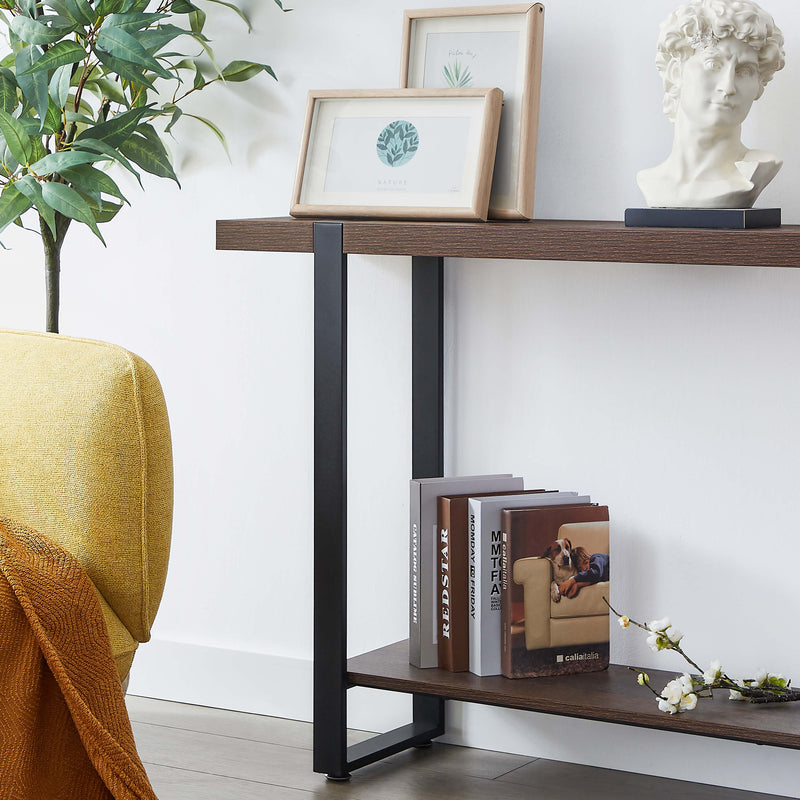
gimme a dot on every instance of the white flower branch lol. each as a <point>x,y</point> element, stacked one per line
<point>683,692</point>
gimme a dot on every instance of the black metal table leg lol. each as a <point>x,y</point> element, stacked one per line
<point>427,366</point>
<point>331,754</point>
<point>427,411</point>
<point>330,501</point>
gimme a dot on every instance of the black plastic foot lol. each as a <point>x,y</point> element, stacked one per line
<point>423,745</point>
<point>338,778</point>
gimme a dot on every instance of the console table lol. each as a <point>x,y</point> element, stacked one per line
<point>610,696</point>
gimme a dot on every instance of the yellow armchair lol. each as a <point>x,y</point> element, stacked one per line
<point>86,460</point>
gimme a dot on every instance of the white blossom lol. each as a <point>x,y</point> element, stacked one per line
<point>713,672</point>
<point>663,705</point>
<point>674,635</point>
<point>735,694</point>
<point>673,692</point>
<point>678,695</point>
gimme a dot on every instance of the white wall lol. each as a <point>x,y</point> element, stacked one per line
<point>668,392</point>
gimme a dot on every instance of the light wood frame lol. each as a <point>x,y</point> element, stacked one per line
<point>515,171</point>
<point>345,183</point>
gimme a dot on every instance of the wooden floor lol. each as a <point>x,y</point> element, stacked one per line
<point>194,753</point>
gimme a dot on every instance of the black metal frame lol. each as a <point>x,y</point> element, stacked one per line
<point>331,753</point>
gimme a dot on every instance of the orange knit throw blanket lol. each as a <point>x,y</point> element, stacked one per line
<point>64,728</point>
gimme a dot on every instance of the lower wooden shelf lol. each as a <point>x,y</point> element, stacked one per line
<point>609,696</point>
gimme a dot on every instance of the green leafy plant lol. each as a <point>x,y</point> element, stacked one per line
<point>457,76</point>
<point>82,87</point>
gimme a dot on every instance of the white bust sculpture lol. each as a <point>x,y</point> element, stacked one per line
<point>715,58</point>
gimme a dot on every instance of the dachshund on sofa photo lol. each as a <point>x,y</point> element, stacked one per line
<point>574,568</point>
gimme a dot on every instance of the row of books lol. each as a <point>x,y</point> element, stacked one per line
<point>505,580</point>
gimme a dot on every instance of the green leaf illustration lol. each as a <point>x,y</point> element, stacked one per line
<point>456,76</point>
<point>397,143</point>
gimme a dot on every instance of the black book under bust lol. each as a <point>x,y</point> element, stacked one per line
<point>732,218</point>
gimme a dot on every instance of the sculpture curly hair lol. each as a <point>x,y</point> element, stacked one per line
<point>699,21</point>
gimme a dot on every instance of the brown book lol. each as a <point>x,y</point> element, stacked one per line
<point>554,578</point>
<point>453,577</point>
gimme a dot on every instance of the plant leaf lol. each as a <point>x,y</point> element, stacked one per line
<point>60,84</point>
<point>98,146</point>
<point>30,187</point>
<point>238,71</point>
<point>9,164</point>
<point>32,31</point>
<point>106,7</point>
<point>131,21</point>
<point>155,39</point>
<point>81,11</point>
<point>215,130</point>
<point>197,20</point>
<point>103,212</point>
<point>125,70</point>
<point>122,45</point>
<point>105,87</point>
<point>60,7</point>
<point>92,181</point>
<point>236,10</point>
<point>176,115</point>
<point>58,55</point>
<point>16,137</point>
<point>52,121</point>
<point>12,205</point>
<point>68,202</point>
<point>81,119</point>
<point>189,63</point>
<point>55,162</point>
<point>117,129</point>
<point>8,90</point>
<point>135,5</point>
<point>34,86</point>
<point>150,154</point>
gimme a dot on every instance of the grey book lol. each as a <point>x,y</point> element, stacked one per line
<point>423,555</point>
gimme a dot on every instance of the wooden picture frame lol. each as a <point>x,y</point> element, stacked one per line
<point>486,46</point>
<point>398,153</point>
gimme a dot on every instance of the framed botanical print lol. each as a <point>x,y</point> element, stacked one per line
<point>486,46</point>
<point>398,153</point>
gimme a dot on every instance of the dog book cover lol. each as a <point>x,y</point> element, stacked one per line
<point>554,576</point>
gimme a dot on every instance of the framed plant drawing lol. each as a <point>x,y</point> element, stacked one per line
<point>398,153</point>
<point>486,46</point>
